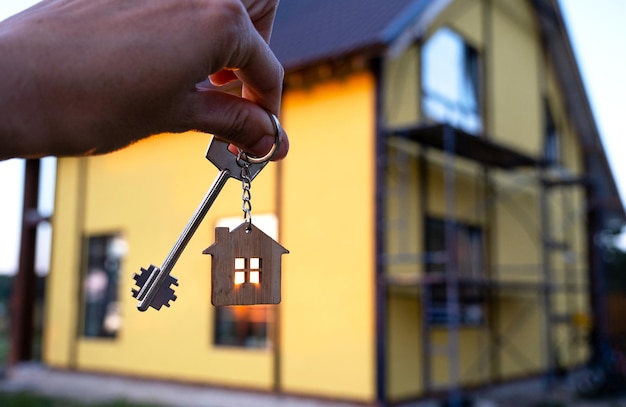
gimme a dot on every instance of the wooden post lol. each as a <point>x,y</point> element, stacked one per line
<point>24,283</point>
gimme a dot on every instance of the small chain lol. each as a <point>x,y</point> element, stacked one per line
<point>245,194</point>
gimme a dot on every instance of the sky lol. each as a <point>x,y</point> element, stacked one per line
<point>598,33</point>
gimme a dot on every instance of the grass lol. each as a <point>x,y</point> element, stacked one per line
<point>32,400</point>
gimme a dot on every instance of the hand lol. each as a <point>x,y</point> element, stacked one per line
<point>91,76</point>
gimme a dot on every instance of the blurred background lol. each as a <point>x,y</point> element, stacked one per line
<point>597,34</point>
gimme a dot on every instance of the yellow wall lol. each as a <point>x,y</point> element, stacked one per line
<point>403,350</point>
<point>62,281</point>
<point>516,84</point>
<point>403,222</point>
<point>148,192</point>
<point>328,226</point>
<point>402,89</point>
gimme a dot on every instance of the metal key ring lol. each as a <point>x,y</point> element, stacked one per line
<point>277,140</point>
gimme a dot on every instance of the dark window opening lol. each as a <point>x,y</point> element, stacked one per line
<point>470,270</point>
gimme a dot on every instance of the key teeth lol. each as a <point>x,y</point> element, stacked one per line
<point>165,293</point>
<point>141,278</point>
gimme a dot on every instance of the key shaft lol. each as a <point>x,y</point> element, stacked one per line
<point>154,283</point>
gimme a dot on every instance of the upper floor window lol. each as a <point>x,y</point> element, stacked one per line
<point>451,81</point>
<point>101,312</point>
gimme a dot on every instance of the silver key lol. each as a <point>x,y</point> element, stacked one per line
<point>155,283</point>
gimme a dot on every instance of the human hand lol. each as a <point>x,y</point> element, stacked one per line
<point>92,76</point>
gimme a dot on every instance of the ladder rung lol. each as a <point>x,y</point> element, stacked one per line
<point>555,245</point>
<point>561,318</point>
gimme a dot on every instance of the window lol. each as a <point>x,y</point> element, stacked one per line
<point>101,309</point>
<point>551,149</point>
<point>450,81</point>
<point>469,252</point>
<point>246,326</point>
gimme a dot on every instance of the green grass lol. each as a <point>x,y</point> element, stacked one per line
<point>31,400</point>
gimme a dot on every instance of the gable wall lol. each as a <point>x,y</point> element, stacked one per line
<point>518,77</point>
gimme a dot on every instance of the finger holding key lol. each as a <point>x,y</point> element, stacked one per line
<point>239,121</point>
<point>65,98</point>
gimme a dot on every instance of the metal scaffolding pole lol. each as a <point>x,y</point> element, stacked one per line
<point>451,269</point>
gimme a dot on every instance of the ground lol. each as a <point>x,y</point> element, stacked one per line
<point>92,388</point>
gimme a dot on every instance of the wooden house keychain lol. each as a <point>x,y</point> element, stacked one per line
<point>246,263</point>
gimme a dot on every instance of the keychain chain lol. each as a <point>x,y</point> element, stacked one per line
<point>245,194</point>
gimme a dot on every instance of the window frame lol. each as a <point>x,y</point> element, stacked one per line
<point>109,308</point>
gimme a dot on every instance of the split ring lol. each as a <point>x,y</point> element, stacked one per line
<point>277,140</point>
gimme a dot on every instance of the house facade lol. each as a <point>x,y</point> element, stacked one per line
<point>439,202</point>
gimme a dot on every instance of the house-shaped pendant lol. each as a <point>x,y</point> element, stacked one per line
<point>245,267</point>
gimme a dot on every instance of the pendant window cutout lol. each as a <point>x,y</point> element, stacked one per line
<point>245,267</point>
<point>247,270</point>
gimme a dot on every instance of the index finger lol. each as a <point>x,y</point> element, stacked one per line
<point>262,13</point>
<point>262,76</point>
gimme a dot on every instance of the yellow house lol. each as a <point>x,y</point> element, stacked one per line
<point>439,202</point>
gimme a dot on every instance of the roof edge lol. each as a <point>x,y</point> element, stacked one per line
<point>558,45</point>
<point>402,39</point>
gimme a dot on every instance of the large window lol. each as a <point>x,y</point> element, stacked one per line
<point>468,240</point>
<point>451,81</point>
<point>246,326</point>
<point>101,309</point>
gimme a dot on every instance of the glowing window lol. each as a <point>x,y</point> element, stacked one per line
<point>247,270</point>
<point>240,277</point>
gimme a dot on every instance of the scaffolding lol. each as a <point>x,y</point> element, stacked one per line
<point>444,291</point>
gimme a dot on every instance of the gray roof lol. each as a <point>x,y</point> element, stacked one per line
<point>310,31</point>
